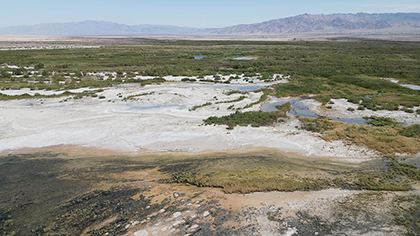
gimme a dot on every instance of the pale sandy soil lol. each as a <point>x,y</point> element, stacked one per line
<point>159,122</point>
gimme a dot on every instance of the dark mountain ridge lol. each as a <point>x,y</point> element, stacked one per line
<point>326,24</point>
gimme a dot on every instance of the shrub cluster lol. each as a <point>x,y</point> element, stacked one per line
<point>253,118</point>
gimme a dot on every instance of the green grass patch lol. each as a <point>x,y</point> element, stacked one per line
<point>381,121</point>
<point>412,131</point>
<point>253,118</point>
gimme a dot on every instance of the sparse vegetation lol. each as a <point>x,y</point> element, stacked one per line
<point>87,93</point>
<point>199,106</point>
<point>230,92</point>
<point>132,97</point>
<point>405,212</point>
<point>234,100</point>
<point>263,98</point>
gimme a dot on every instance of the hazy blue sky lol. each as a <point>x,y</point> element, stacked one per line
<point>193,13</point>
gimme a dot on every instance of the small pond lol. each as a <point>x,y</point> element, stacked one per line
<point>298,107</point>
<point>245,88</point>
<point>147,106</point>
<point>244,58</point>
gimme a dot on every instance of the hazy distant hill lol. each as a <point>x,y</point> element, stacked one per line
<point>94,28</point>
<point>399,23</point>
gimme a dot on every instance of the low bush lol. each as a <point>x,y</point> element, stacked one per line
<point>253,118</point>
<point>381,121</point>
<point>412,131</point>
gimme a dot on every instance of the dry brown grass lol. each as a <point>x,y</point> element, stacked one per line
<point>386,140</point>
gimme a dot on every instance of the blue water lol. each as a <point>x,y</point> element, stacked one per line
<point>244,58</point>
<point>245,88</point>
<point>302,110</point>
<point>410,86</point>
<point>147,106</point>
<point>359,121</point>
<point>199,57</point>
<point>298,108</point>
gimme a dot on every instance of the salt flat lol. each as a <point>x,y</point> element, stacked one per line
<point>159,119</point>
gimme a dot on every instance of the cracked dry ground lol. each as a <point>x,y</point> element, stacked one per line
<point>62,195</point>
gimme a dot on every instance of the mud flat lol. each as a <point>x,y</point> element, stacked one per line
<point>56,193</point>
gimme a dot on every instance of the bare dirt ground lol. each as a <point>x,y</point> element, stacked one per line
<point>57,193</point>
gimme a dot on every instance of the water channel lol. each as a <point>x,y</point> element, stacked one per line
<point>302,110</point>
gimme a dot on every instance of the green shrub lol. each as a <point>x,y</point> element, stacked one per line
<point>412,131</point>
<point>253,118</point>
<point>381,121</point>
<point>408,110</point>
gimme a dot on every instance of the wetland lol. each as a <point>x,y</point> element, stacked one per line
<point>307,138</point>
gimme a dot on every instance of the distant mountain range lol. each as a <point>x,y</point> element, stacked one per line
<point>360,23</point>
<point>95,28</point>
<point>334,23</point>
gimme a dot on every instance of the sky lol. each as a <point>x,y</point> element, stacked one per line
<point>189,13</point>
